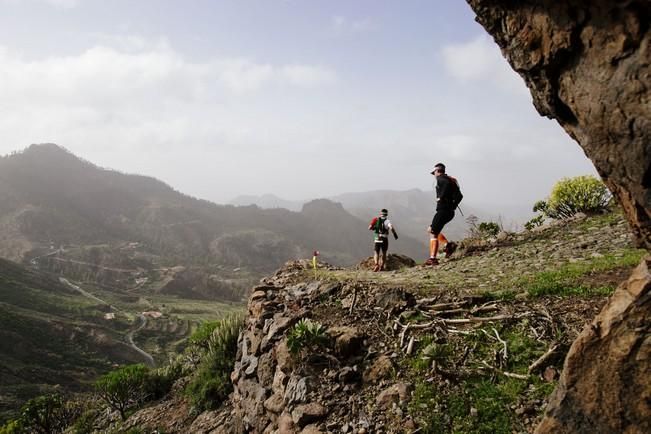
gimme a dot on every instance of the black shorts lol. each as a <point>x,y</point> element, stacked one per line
<point>383,245</point>
<point>441,218</point>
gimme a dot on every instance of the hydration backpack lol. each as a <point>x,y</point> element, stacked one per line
<point>455,196</point>
<point>377,225</point>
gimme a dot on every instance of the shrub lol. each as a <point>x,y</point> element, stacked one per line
<point>202,334</point>
<point>46,414</point>
<point>124,388</point>
<point>534,222</point>
<point>160,381</point>
<point>87,422</point>
<point>211,383</point>
<point>11,427</point>
<point>569,196</point>
<point>305,334</point>
<point>489,229</point>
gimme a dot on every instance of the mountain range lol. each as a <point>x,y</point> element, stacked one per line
<point>410,210</point>
<point>67,215</point>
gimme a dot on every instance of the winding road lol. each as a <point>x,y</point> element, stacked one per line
<point>141,319</point>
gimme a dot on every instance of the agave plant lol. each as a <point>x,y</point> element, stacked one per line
<point>305,334</point>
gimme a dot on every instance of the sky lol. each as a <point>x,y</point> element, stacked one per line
<point>298,98</point>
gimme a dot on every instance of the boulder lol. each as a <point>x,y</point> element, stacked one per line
<point>398,393</point>
<point>348,340</point>
<point>381,369</point>
<point>395,261</point>
<point>307,413</point>
<point>587,66</point>
<point>611,354</point>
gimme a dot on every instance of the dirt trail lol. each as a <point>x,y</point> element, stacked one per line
<point>141,321</point>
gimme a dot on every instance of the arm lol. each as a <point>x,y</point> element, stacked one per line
<point>392,229</point>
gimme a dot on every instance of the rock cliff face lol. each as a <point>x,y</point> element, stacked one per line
<point>587,66</point>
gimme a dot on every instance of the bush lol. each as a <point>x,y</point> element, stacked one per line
<point>12,427</point>
<point>489,229</point>
<point>534,222</point>
<point>160,381</point>
<point>202,334</point>
<point>569,196</point>
<point>124,388</point>
<point>211,383</point>
<point>305,334</point>
<point>46,414</point>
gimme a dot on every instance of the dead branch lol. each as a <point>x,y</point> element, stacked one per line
<point>424,301</point>
<point>352,305</point>
<point>503,342</point>
<point>410,346</point>
<point>489,308</point>
<point>449,312</point>
<point>474,319</point>
<point>453,305</point>
<point>535,365</point>
<point>402,335</point>
<point>505,373</point>
<point>458,332</point>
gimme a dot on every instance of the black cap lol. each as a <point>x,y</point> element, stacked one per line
<point>440,167</point>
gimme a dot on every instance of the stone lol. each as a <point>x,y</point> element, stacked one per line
<point>275,403</point>
<point>286,424</point>
<point>258,295</point>
<point>312,429</point>
<point>502,236</point>
<point>276,328</point>
<point>279,382</point>
<point>307,413</point>
<point>606,371</point>
<point>348,340</point>
<point>283,356</point>
<point>296,390</point>
<point>549,374</point>
<point>348,374</point>
<point>266,369</point>
<point>398,393</point>
<point>251,363</point>
<point>381,369</point>
<point>254,340</point>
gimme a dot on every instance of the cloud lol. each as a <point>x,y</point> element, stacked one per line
<point>341,25</point>
<point>480,60</point>
<point>308,76</point>
<point>144,95</point>
<point>63,4</point>
<point>103,74</point>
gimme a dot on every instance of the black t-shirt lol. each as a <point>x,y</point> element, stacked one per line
<point>444,189</point>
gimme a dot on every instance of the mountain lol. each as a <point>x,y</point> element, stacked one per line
<point>410,210</point>
<point>268,201</point>
<point>64,214</point>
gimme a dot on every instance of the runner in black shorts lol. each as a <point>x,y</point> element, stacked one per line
<point>446,187</point>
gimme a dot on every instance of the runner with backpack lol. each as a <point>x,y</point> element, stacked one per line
<point>448,197</point>
<point>381,226</point>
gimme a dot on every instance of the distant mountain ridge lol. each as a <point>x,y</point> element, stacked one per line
<point>64,212</point>
<point>410,210</point>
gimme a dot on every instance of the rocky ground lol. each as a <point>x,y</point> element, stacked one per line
<point>475,344</point>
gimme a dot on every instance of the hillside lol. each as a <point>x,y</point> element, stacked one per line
<point>474,345</point>
<point>52,336</point>
<point>101,226</point>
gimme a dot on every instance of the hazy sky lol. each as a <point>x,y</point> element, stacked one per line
<point>300,98</point>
